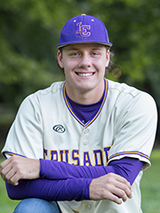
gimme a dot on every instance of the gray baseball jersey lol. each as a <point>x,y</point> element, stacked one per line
<point>125,125</point>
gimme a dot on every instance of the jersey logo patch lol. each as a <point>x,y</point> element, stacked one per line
<point>59,128</point>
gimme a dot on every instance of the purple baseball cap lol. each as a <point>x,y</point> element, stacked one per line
<point>84,29</point>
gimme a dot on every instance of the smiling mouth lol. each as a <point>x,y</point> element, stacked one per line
<point>85,74</point>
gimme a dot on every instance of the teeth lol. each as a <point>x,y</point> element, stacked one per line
<point>85,74</point>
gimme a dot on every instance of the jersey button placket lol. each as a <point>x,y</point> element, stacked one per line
<point>88,207</point>
<point>86,131</point>
<point>86,142</point>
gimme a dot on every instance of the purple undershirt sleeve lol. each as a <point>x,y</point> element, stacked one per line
<point>57,190</point>
<point>61,181</point>
<point>125,167</point>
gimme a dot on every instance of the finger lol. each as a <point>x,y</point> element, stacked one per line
<point>115,198</point>
<point>11,177</point>
<point>5,163</point>
<point>123,180</point>
<point>119,179</point>
<point>121,194</point>
<point>127,189</point>
<point>3,177</point>
<point>14,179</point>
<point>122,191</point>
<point>13,182</point>
<point>6,166</point>
<point>123,184</point>
<point>112,196</point>
<point>8,173</point>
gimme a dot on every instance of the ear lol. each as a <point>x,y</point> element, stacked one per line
<point>60,59</point>
<point>107,58</point>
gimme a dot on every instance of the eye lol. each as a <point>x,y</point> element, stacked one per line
<point>95,54</point>
<point>74,54</point>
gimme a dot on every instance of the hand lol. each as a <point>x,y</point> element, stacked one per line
<point>112,187</point>
<point>15,168</point>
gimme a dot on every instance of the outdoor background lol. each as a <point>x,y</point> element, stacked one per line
<point>29,32</point>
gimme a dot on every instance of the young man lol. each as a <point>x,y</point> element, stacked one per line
<point>80,145</point>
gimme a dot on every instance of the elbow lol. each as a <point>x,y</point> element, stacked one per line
<point>12,192</point>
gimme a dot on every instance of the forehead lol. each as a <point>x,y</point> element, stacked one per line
<point>85,46</point>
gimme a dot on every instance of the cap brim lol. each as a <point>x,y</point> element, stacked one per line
<point>66,44</point>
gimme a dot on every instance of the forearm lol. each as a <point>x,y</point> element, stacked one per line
<point>126,167</point>
<point>62,181</point>
<point>57,190</point>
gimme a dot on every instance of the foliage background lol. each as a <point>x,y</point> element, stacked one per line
<point>29,32</point>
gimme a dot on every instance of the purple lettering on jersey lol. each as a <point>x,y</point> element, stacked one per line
<point>46,152</point>
<point>98,157</point>
<point>61,154</point>
<point>64,155</point>
<point>75,157</point>
<point>54,155</point>
<point>67,154</point>
<point>106,151</point>
<point>87,159</point>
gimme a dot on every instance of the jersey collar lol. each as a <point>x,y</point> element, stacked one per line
<point>98,112</point>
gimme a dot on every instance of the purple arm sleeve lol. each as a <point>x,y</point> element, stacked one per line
<point>57,190</point>
<point>62,181</point>
<point>125,167</point>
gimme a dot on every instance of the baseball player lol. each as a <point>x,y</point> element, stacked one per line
<point>80,145</point>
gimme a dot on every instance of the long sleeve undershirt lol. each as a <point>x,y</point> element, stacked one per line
<point>60,181</point>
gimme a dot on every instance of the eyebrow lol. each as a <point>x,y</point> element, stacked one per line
<point>70,48</point>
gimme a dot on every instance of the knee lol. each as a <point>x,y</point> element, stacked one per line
<point>36,206</point>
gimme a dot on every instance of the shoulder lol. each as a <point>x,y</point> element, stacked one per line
<point>125,98</point>
<point>43,98</point>
<point>53,89</point>
<point>123,92</point>
<point>47,92</point>
<point>122,89</point>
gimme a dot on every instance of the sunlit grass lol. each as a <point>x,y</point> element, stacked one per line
<point>6,205</point>
<point>150,185</point>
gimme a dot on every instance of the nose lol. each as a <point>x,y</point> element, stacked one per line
<point>85,61</point>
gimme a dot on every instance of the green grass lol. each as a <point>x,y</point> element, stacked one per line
<point>150,188</point>
<point>150,185</point>
<point>6,205</point>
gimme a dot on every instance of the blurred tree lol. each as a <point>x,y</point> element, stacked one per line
<point>29,32</point>
<point>134,29</point>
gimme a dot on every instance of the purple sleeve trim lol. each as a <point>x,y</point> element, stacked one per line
<point>51,190</point>
<point>126,167</point>
<point>11,154</point>
<point>129,153</point>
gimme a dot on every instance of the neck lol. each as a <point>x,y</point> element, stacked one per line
<point>86,98</point>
